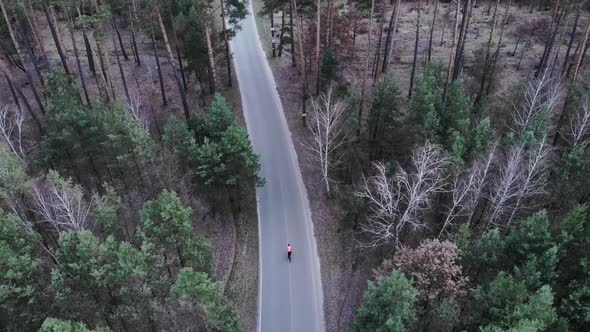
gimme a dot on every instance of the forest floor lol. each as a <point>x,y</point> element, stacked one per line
<point>345,268</point>
<point>234,238</point>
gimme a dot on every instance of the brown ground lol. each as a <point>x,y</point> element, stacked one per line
<point>345,269</point>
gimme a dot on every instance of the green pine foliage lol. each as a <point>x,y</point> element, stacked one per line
<point>388,305</point>
<point>217,149</point>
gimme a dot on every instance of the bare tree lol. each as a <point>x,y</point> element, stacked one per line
<point>579,126</point>
<point>11,130</point>
<point>328,134</point>
<point>61,203</point>
<point>468,190</point>
<point>400,201</point>
<point>138,114</point>
<point>541,97</point>
<point>534,177</point>
<point>504,187</point>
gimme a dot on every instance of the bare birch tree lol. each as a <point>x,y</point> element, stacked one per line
<point>328,134</point>
<point>11,130</point>
<point>579,126</point>
<point>468,189</point>
<point>61,203</point>
<point>540,100</point>
<point>534,178</point>
<point>400,201</point>
<point>504,187</point>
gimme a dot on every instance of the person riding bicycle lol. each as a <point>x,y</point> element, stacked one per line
<point>289,251</point>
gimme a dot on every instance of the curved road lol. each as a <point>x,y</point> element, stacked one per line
<point>290,294</point>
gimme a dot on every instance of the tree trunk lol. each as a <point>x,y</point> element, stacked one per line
<point>571,42</point>
<point>390,36</point>
<point>134,42</point>
<point>171,60</point>
<point>548,48</point>
<point>432,29</point>
<point>458,67</point>
<point>78,64</point>
<point>29,49</point>
<point>415,50</point>
<point>163,91</point>
<point>559,44</point>
<point>226,41</point>
<point>121,71</point>
<point>516,46</point>
<point>376,63</point>
<point>292,33</point>
<point>317,47</point>
<point>272,32</point>
<point>442,34</point>
<point>282,30</point>
<point>56,39</point>
<point>452,56</point>
<point>89,54</point>
<point>210,54</point>
<point>11,33</point>
<point>489,47</point>
<point>32,18</point>
<point>24,99</point>
<point>175,38</point>
<point>581,55</point>
<point>366,73</point>
<point>116,22</point>
<point>303,67</point>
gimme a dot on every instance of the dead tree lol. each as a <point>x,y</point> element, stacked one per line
<point>28,74</point>
<point>533,180</point>
<point>401,201</point>
<point>12,121</point>
<point>211,56</point>
<point>29,49</point>
<point>177,48</point>
<point>328,134</point>
<point>579,126</point>
<point>32,18</point>
<point>459,52</point>
<point>540,100</point>
<point>61,204</point>
<point>291,9</point>
<point>415,50</point>
<point>468,190</point>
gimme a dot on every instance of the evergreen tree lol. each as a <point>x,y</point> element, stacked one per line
<point>388,305</point>
<point>22,296</point>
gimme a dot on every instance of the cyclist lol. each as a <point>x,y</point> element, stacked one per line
<point>289,252</point>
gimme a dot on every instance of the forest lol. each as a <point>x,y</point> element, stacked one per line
<point>443,146</point>
<point>121,160</point>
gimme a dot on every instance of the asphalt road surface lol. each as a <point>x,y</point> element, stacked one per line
<point>290,294</point>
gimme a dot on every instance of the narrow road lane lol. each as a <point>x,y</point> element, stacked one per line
<point>290,295</point>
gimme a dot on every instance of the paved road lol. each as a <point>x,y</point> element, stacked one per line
<point>290,295</point>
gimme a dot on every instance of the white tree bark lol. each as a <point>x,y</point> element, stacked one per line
<point>399,202</point>
<point>328,134</point>
<point>468,189</point>
<point>541,97</point>
<point>11,130</point>
<point>61,204</point>
<point>579,126</point>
